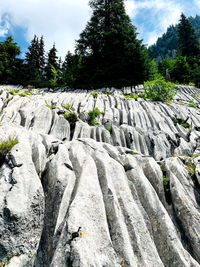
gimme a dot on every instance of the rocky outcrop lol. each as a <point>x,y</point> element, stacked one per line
<point>88,196</point>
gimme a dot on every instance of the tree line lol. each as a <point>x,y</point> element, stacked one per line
<point>107,54</point>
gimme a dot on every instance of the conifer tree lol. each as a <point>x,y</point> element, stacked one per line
<point>188,42</point>
<point>111,53</point>
<point>8,61</point>
<point>41,57</point>
<point>52,60</point>
<point>33,59</point>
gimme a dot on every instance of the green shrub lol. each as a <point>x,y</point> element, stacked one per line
<point>131,96</point>
<point>107,93</point>
<point>191,104</point>
<point>191,84</point>
<point>25,93</point>
<point>93,114</point>
<point>4,263</point>
<point>6,146</point>
<point>94,94</point>
<point>51,106</point>
<point>13,92</point>
<point>71,117</point>
<point>191,169</point>
<point>67,106</point>
<point>185,125</point>
<point>30,88</point>
<point>166,180</point>
<point>159,90</point>
<point>109,128</point>
<point>53,81</point>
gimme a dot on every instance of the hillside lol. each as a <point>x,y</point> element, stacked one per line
<point>166,45</point>
<point>132,184</point>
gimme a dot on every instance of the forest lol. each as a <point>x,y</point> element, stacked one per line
<point>107,54</point>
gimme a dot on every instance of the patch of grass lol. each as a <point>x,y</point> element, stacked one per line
<point>181,103</point>
<point>13,92</point>
<point>166,180</point>
<point>9,99</point>
<point>107,93</point>
<point>191,169</point>
<point>25,93</point>
<point>30,88</point>
<point>185,125</point>
<point>6,146</point>
<point>67,106</point>
<point>169,101</point>
<point>131,152</point>
<point>94,94</point>
<point>131,96</point>
<point>72,118</point>
<point>191,104</point>
<point>109,128</point>
<point>93,114</point>
<point>51,106</point>
<point>4,263</point>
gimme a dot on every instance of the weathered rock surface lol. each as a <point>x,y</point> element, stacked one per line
<point>110,183</point>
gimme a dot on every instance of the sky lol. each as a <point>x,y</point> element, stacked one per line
<point>62,21</point>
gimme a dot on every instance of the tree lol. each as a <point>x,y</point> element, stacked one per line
<point>52,60</point>
<point>33,59</point>
<point>41,57</point>
<point>111,53</point>
<point>8,61</point>
<point>188,42</point>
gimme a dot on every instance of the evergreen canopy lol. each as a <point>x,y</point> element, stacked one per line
<point>109,49</point>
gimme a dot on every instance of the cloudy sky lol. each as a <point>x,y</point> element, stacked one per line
<point>61,21</point>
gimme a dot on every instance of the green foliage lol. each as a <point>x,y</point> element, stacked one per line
<point>188,43</point>
<point>108,128</point>
<point>6,146</point>
<point>51,106</point>
<point>159,90</point>
<point>4,263</point>
<point>191,104</point>
<point>93,114</point>
<point>71,117</point>
<point>166,180</point>
<point>132,96</point>
<point>30,88</point>
<point>182,123</point>
<point>107,93</point>
<point>8,60</point>
<point>13,92</point>
<point>53,81</point>
<point>67,106</point>
<point>94,94</point>
<point>25,93</point>
<point>112,56</point>
<point>191,169</point>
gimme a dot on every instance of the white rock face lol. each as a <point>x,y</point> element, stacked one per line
<point>87,196</point>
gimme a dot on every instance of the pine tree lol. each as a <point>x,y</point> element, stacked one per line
<point>8,61</point>
<point>41,57</point>
<point>188,42</point>
<point>111,53</point>
<point>52,60</point>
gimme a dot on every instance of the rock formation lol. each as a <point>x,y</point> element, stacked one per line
<point>132,183</point>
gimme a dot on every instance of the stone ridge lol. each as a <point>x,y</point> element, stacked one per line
<point>85,196</point>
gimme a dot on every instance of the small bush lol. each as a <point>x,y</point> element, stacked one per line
<point>159,90</point>
<point>13,92</point>
<point>4,263</point>
<point>71,117</point>
<point>67,106</point>
<point>93,114</point>
<point>94,94</point>
<point>132,96</point>
<point>185,125</point>
<point>107,93</point>
<point>51,106</point>
<point>191,169</point>
<point>109,128</point>
<point>191,104</point>
<point>166,180</point>
<point>25,93</point>
<point>6,146</point>
<point>30,88</point>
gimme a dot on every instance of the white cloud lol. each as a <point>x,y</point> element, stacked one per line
<point>60,21</point>
<point>4,26</point>
<point>162,13</point>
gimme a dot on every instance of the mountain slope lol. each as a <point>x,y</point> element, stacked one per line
<point>166,45</point>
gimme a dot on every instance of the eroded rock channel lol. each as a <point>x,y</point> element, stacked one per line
<point>124,193</point>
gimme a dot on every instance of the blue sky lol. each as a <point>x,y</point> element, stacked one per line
<point>61,21</point>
